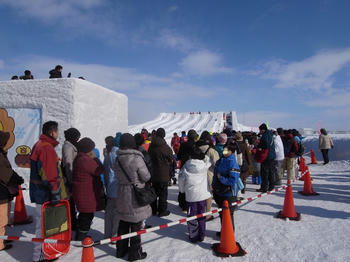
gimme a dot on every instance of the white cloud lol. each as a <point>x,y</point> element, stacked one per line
<point>204,63</point>
<point>80,15</point>
<point>313,73</point>
<point>333,99</point>
<point>171,39</point>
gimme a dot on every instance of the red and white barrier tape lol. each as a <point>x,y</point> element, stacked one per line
<point>42,240</point>
<point>144,231</point>
<point>303,174</point>
<point>140,232</point>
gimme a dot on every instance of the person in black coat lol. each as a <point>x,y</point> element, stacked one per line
<point>184,155</point>
<point>162,159</point>
<point>57,72</point>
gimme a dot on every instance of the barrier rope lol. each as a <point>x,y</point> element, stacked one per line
<point>140,232</point>
<point>144,231</point>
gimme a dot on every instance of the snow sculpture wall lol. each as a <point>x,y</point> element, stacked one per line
<point>96,111</point>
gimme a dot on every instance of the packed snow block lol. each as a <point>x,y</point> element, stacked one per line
<point>95,111</point>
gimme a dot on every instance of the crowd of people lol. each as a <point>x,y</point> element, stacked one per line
<point>212,166</point>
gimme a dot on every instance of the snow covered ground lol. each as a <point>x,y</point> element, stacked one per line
<point>321,235</point>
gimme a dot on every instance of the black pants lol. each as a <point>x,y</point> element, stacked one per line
<point>135,250</point>
<point>219,201</point>
<point>73,214</point>
<point>268,170</point>
<point>160,205</point>
<point>84,223</point>
<point>325,155</point>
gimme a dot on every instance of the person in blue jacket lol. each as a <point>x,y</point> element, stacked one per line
<point>226,175</point>
<point>111,182</point>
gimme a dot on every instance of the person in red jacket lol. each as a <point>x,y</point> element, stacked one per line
<point>290,147</point>
<point>46,179</point>
<point>175,143</point>
<point>86,186</point>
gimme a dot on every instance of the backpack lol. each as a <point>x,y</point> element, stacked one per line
<point>301,149</point>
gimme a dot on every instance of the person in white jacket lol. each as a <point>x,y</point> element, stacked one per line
<point>193,182</point>
<point>279,149</point>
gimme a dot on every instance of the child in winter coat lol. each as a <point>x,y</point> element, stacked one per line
<point>226,175</point>
<point>194,183</point>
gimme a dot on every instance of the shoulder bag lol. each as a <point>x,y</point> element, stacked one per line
<point>144,196</point>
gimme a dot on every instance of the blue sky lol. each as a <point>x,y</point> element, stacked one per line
<point>282,62</point>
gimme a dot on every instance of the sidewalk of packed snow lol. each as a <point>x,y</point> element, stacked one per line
<point>321,235</point>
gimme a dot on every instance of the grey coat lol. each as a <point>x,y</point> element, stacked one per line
<point>69,153</point>
<point>133,163</point>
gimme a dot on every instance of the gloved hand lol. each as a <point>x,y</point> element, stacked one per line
<point>16,179</point>
<point>55,197</point>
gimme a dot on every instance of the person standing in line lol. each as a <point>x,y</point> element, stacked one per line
<point>69,153</point>
<point>290,146</point>
<point>246,160</point>
<point>183,156</point>
<point>130,169</point>
<point>162,159</point>
<point>46,179</point>
<point>325,143</point>
<point>279,149</point>
<point>194,183</point>
<point>8,178</point>
<point>111,184</point>
<point>268,168</point>
<point>226,175</point>
<point>222,139</point>
<point>206,146</point>
<point>87,185</point>
<point>175,143</point>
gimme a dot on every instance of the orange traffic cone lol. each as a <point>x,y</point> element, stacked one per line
<point>288,206</point>
<point>308,191</point>
<point>302,164</point>
<point>88,250</point>
<point>20,214</point>
<point>313,157</point>
<point>228,245</point>
<point>302,168</point>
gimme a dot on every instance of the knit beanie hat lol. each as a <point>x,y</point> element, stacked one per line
<point>4,137</point>
<point>192,135</point>
<point>222,138</point>
<point>263,126</point>
<point>72,135</point>
<point>160,132</point>
<point>239,136</point>
<point>139,139</point>
<point>85,145</point>
<point>127,141</point>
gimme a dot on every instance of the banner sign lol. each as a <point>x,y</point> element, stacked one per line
<point>24,126</point>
